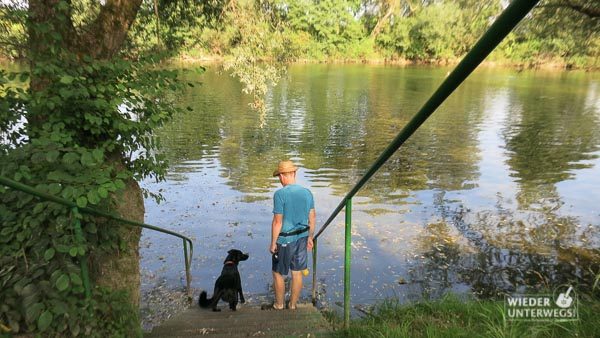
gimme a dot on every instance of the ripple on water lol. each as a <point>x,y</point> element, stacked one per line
<point>491,195</point>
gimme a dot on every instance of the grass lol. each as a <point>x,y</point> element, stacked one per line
<point>452,317</point>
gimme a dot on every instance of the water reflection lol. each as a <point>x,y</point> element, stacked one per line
<point>485,198</point>
<point>502,255</point>
<point>552,133</point>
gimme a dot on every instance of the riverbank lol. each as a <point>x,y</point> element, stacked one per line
<point>452,317</point>
<point>545,64</point>
<point>491,62</point>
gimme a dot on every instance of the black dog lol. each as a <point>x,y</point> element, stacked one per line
<point>228,285</point>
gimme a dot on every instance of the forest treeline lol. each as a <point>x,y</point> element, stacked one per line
<point>563,33</point>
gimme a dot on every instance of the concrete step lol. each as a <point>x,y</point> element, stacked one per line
<point>247,321</point>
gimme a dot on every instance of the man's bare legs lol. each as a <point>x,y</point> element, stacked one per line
<point>296,288</point>
<point>279,287</point>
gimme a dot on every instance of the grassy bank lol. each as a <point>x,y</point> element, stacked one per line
<point>589,64</point>
<point>452,317</point>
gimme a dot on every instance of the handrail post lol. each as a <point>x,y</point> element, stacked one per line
<point>347,254</point>
<point>188,277</point>
<point>85,276</point>
<point>314,273</point>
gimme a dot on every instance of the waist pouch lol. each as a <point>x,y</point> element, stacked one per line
<point>295,232</point>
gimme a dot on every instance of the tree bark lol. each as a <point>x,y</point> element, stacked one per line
<point>382,22</point>
<point>120,270</point>
<point>106,35</point>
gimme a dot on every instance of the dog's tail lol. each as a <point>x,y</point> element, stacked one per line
<point>203,301</point>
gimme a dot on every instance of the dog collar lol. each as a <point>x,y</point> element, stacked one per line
<point>229,262</point>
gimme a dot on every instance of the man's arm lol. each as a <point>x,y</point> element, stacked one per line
<point>275,230</point>
<point>312,217</point>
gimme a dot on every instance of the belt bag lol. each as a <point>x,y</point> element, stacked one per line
<point>295,232</point>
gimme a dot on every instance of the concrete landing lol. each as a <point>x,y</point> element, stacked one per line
<point>247,321</point>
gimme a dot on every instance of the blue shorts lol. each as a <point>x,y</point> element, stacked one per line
<point>290,256</point>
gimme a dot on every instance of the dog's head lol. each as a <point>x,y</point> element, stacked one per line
<point>235,255</point>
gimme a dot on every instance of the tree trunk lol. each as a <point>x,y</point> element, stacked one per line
<point>382,22</point>
<point>121,269</point>
<point>102,40</point>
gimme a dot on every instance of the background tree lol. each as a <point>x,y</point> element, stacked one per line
<point>563,32</point>
<point>559,31</point>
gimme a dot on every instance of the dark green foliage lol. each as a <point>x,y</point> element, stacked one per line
<point>329,23</point>
<point>561,31</point>
<point>12,29</point>
<point>556,32</point>
<point>430,34</point>
<point>177,26</point>
<point>79,128</point>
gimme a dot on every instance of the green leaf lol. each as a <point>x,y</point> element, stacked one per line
<point>57,175</point>
<point>68,192</point>
<point>110,186</point>
<point>62,283</point>
<point>91,228</point>
<point>73,251</point>
<point>44,321</point>
<point>82,201</point>
<point>119,184</point>
<point>58,307</point>
<point>52,155</point>
<point>54,188</point>
<point>28,290</point>
<point>98,155</point>
<point>87,159</point>
<point>69,158</point>
<point>33,312</point>
<point>92,197</point>
<point>49,254</point>
<point>39,207</point>
<point>102,192</point>
<point>66,79</point>
<point>75,279</point>
<point>62,248</point>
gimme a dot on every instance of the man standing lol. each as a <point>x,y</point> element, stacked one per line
<point>292,232</point>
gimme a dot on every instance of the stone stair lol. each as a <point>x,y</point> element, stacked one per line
<point>247,321</point>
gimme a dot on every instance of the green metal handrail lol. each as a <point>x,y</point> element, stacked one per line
<point>79,235</point>
<point>503,25</point>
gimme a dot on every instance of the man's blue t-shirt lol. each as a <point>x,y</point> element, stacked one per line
<point>294,202</point>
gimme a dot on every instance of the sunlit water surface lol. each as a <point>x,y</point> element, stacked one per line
<point>497,192</point>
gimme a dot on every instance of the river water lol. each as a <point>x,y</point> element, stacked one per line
<point>496,193</point>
